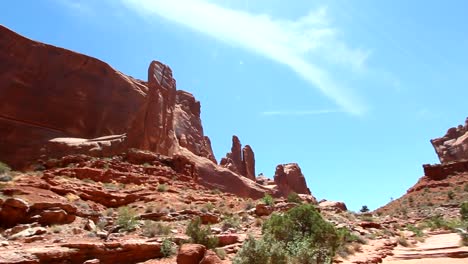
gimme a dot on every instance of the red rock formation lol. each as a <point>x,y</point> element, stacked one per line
<point>240,160</point>
<point>55,101</point>
<point>289,178</point>
<point>453,146</point>
<point>188,126</point>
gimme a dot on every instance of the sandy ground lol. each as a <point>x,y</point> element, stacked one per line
<point>432,251</point>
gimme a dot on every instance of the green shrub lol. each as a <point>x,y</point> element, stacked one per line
<point>403,242</point>
<point>221,253</point>
<point>416,230</point>
<point>231,222</point>
<point>450,195</point>
<point>127,218</point>
<point>294,198</point>
<point>464,211</point>
<point>364,209</point>
<point>201,235</point>
<point>162,188</point>
<point>268,200</point>
<point>253,252</point>
<point>300,235</point>
<point>152,228</point>
<point>167,249</point>
<point>4,168</point>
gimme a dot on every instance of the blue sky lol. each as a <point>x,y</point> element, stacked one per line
<point>351,90</point>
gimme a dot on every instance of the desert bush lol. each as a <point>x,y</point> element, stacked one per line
<point>403,242</point>
<point>167,248</point>
<point>201,235</point>
<point>152,228</point>
<point>249,204</point>
<point>450,195</point>
<point>127,218</point>
<point>268,200</point>
<point>294,198</point>
<point>162,188</point>
<point>300,235</point>
<point>231,222</point>
<point>416,230</point>
<point>221,253</point>
<point>364,209</point>
<point>464,211</point>
<point>4,168</point>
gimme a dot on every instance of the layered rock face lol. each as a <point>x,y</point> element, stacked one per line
<point>240,160</point>
<point>56,102</point>
<point>289,178</point>
<point>454,145</point>
<point>188,126</point>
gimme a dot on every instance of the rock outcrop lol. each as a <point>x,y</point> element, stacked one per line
<point>55,102</point>
<point>188,126</point>
<point>289,178</point>
<point>240,160</point>
<point>453,146</point>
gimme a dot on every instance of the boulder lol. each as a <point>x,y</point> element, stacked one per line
<point>263,209</point>
<point>211,258</point>
<point>227,239</point>
<point>333,206</point>
<point>453,146</point>
<point>190,254</point>
<point>13,211</point>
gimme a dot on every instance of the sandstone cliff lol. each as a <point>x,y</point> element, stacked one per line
<point>56,102</point>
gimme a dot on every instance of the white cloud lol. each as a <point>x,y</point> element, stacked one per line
<point>308,45</point>
<point>301,113</point>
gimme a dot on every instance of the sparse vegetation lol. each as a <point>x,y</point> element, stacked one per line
<point>268,200</point>
<point>450,195</point>
<point>152,228</point>
<point>162,188</point>
<point>249,204</point>
<point>167,248</point>
<point>200,234</point>
<point>220,252</point>
<point>127,218</point>
<point>403,241</point>
<point>294,198</point>
<point>5,173</point>
<point>231,222</point>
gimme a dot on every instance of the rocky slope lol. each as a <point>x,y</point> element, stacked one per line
<point>444,186</point>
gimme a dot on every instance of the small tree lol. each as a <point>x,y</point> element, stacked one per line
<point>294,198</point>
<point>201,235</point>
<point>268,200</point>
<point>364,209</point>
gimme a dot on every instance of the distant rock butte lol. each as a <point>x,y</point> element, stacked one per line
<point>56,102</point>
<point>289,178</point>
<point>240,160</point>
<point>453,146</point>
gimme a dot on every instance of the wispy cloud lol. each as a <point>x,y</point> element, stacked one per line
<point>308,45</point>
<point>301,113</point>
<point>77,7</point>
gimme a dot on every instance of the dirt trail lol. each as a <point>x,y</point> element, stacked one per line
<point>436,249</point>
